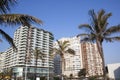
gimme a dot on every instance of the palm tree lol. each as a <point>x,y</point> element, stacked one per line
<point>62,49</point>
<point>1,75</point>
<point>13,19</point>
<point>38,54</point>
<point>8,73</point>
<point>99,31</point>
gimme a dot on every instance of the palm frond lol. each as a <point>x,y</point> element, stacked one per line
<point>7,37</point>
<point>104,27</point>
<point>15,19</point>
<point>88,37</point>
<point>83,35</point>
<point>5,5</point>
<point>106,17</point>
<point>86,27</point>
<point>111,39</point>
<point>93,16</point>
<point>63,44</point>
<point>102,20</point>
<point>112,29</point>
<point>94,21</point>
<point>63,47</point>
<point>59,44</point>
<point>55,50</point>
<point>71,51</point>
<point>100,14</point>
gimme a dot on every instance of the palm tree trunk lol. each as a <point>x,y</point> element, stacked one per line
<point>100,49</point>
<point>63,67</point>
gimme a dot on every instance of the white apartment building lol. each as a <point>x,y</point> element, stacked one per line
<point>2,56</point>
<point>72,62</point>
<point>91,58</point>
<point>114,71</point>
<point>26,40</point>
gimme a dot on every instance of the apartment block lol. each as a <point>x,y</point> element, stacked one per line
<point>72,62</point>
<point>2,56</point>
<point>22,61</point>
<point>92,61</point>
<point>86,56</point>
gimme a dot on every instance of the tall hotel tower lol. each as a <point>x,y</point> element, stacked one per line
<point>23,60</point>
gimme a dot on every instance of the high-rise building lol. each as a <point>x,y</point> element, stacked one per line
<point>72,62</point>
<point>2,56</point>
<point>23,60</point>
<point>86,56</point>
<point>91,58</point>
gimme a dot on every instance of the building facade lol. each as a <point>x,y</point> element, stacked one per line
<point>114,71</point>
<point>72,62</point>
<point>92,61</point>
<point>86,56</point>
<point>2,56</point>
<point>22,61</point>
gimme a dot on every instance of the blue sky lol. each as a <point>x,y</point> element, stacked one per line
<point>62,18</point>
